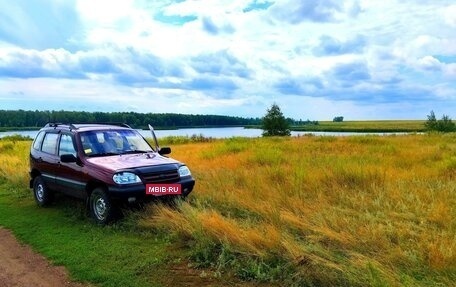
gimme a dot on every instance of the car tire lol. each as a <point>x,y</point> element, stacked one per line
<point>43,196</point>
<point>101,208</point>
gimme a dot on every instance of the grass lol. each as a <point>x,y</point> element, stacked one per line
<point>173,140</point>
<point>365,126</point>
<point>123,254</point>
<point>322,211</point>
<point>307,211</point>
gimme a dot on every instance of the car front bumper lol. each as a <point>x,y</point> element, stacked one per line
<point>137,192</point>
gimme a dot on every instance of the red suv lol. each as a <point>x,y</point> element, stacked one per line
<point>105,165</point>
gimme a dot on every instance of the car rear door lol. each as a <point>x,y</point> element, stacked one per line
<point>45,158</point>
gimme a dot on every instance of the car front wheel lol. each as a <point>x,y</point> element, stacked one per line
<point>101,207</point>
<point>43,196</point>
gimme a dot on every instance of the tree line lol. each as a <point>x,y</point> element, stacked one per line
<point>22,118</point>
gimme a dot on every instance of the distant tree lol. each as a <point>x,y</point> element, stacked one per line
<point>338,119</point>
<point>443,125</point>
<point>306,122</point>
<point>274,123</point>
<point>431,123</point>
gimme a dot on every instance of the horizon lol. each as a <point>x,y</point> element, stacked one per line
<point>363,60</point>
<point>247,117</point>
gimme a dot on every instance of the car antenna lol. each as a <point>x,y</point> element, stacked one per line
<point>157,147</point>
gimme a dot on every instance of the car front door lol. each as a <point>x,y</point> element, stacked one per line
<point>68,174</point>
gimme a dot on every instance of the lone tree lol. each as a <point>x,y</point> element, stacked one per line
<point>274,123</point>
<point>338,119</point>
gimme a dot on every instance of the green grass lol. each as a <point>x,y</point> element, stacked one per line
<point>365,126</point>
<point>384,126</point>
<point>117,255</point>
<point>173,140</point>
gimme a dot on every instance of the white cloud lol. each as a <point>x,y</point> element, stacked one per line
<point>296,12</point>
<point>234,57</point>
<point>106,13</point>
<point>450,72</point>
<point>429,63</point>
<point>450,15</point>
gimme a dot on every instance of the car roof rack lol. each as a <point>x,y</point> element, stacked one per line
<point>120,124</point>
<point>74,127</point>
<point>54,125</point>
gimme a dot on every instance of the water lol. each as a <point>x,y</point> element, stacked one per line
<point>207,132</point>
<point>210,132</point>
<point>30,134</point>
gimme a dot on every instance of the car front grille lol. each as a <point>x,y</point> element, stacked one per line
<point>169,176</point>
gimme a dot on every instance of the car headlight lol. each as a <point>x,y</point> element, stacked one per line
<point>184,171</point>
<point>125,178</point>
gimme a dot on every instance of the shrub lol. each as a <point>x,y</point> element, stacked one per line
<point>444,125</point>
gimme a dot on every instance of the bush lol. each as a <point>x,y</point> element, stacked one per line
<point>444,125</point>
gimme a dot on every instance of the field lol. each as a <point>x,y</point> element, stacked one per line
<point>307,211</point>
<point>365,126</point>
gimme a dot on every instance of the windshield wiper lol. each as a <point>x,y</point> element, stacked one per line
<point>134,151</point>
<point>104,154</point>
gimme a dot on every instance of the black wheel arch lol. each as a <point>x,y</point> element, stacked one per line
<point>92,184</point>
<point>33,174</point>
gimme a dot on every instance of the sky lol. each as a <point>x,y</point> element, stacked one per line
<point>361,59</point>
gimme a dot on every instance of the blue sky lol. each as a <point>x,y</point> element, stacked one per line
<point>361,59</point>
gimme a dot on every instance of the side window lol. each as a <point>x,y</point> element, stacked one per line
<point>49,143</point>
<point>38,141</point>
<point>66,145</point>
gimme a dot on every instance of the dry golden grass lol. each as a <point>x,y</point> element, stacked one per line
<point>14,162</point>
<point>368,211</point>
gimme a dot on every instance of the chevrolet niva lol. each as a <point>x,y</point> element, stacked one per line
<point>103,164</point>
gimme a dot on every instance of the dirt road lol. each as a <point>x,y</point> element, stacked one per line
<point>20,266</point>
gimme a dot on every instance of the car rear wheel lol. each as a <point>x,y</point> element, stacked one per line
<point>43,196</point>
<point>101,208</point>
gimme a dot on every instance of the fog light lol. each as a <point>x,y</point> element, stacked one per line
<point>131,199</point>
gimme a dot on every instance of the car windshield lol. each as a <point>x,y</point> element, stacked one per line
<point>113,142</point>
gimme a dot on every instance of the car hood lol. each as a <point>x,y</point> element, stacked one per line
<point>118,162</point>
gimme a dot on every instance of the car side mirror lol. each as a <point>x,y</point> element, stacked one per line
<point>68,158</point>
<point>164,150</point>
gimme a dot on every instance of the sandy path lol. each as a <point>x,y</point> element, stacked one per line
<point>20,266</point>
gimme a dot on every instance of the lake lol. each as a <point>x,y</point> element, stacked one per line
<point>210,132</point>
